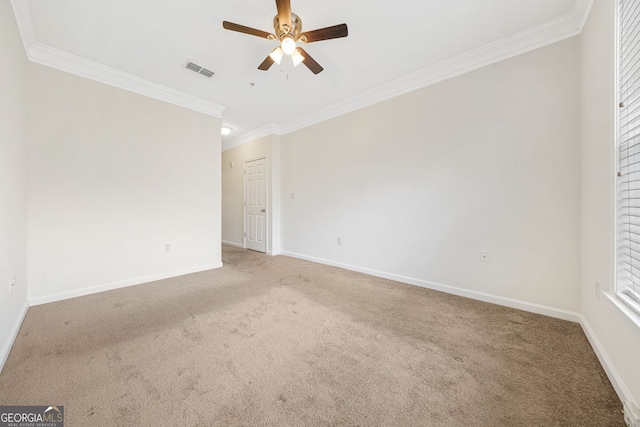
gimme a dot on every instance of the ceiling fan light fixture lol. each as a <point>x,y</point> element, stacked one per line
<point>297,57</point>
<point>288,45</point>
<point>277,55</point>
<point>287,28</point>
<point>225,130</point>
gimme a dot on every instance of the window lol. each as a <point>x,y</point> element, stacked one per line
<point>628,282</point>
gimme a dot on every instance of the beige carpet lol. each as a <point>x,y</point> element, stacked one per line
<point>283,342</point>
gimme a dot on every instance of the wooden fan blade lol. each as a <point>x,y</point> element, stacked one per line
<point>266,64</point>
<point>247,30</point>
<point>327,33</point>
<point>284,13</point>
<point>310,62</point>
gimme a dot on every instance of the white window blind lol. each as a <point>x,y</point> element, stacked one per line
<point>628,283</point>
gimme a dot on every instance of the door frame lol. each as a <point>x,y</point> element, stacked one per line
<point>266,201</point>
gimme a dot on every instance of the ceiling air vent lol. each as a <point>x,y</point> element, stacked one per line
<point>206,72</point>
<point>198,69</point>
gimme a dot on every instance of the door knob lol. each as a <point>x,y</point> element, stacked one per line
<point>261,210</point>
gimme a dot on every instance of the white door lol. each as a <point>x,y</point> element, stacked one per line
<point>255,205</point>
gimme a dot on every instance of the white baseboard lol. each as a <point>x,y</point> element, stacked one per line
<point>6,349</point>
<point>117,285</point>
<point>236,245</point>
<point>616,381</point>
<point>481,296</point>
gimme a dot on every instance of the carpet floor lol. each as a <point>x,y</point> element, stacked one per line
<point>282,342</point>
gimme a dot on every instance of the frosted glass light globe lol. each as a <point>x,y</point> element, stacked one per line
<point>288,45</point>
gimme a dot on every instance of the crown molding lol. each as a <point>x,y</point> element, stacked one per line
<point>55,58</point>
<point>270,129</point>
<point>582,10</point>
<point>25,26</point>
<point>64,61</point>
<point>563,27</point>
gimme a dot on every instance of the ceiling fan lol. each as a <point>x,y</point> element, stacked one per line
<point>288,30</point>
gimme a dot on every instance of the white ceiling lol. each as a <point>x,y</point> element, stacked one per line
<point>392,47</point>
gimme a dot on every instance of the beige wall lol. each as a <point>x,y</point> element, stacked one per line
<point>418,185</point>
<point>13,179</point>
<point>619,340</point>
<point>113,176</point>
<point>233,190</point>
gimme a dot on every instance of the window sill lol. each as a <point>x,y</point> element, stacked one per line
<point>627,311</point>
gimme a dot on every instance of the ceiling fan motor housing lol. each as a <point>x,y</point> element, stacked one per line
<point>282,31</point>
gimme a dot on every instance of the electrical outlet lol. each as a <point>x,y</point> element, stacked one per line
<point>167,247</point>
<point>598,289</point>
<point>292,196</point>
<point>631,414</point>
<point>484,256</point>
<point>340,240</point>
